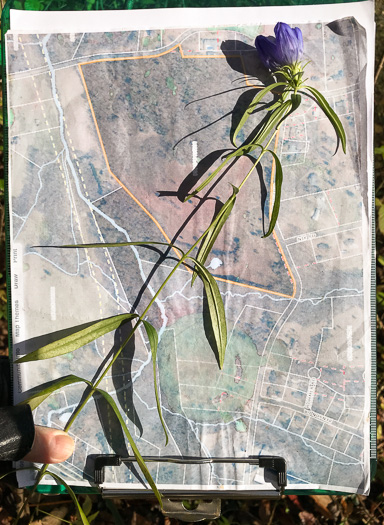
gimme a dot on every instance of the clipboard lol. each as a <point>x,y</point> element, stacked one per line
<point>300,239</point>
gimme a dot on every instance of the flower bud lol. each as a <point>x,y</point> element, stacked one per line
<point>285,49</point>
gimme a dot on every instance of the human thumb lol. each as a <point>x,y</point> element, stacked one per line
<point>50,446</point>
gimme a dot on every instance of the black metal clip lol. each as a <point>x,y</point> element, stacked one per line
<point>275,463</point>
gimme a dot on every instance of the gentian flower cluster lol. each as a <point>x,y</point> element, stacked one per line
<point>282,55</point>
<point>286,49</point>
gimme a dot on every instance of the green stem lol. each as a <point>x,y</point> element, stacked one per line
<point>141,318</point>
<point>139,321</point>
<point>258,159</point>
<point>182,260</point>
<point>38,479</point>
<point>55,517</point>
<point>154,298</point>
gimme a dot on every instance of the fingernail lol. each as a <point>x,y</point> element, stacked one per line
<point>62,447</point>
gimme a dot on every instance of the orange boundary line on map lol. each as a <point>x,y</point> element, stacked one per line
<point>177,46</point>
<point>114,176</point>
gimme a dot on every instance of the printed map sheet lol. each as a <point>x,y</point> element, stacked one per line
<point>106,129</point>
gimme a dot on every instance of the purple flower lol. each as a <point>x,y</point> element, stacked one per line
<point>284,50</point>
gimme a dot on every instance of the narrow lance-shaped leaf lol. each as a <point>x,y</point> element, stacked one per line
<point>74,341</point>
<point>279,115</point>
<point>136,452</point>
<point>83,517</point>
<point>91,517</point>
<point>278,183</point>
<point>217,225</point>
<point>42,393</point>
<point>273,122</point>
<point>115,245</point>
<point>210,177</point>
<point>281,99</point>
<point>16,470</point>
<point>216,309</point>
<point>296,101</point>
<point>330,113</point>
<point>87,505</point>
<point>153,342</point>
<point>117,519</point>
<point>242,150</point>
<point>252,106</point>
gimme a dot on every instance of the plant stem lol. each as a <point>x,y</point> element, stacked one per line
<point>139,321</point>
<point>38,479</point>
<point>258,159</point>
<point>181,261</point>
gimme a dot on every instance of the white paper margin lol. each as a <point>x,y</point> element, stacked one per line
<point>146,19</point>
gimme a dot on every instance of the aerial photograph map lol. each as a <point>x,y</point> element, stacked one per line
<point>108,133</point>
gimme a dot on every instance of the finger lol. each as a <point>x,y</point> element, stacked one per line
<point>50,446</point>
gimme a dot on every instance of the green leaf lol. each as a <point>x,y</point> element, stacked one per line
<point>380,151</point>
<point>9,472</point>
<point>90,518</point>
<point>115,245</point>
<point>33,5</point>
<point>216,227</point>
<point>380,298</point>
<point>380,218</point>
<point>83,517</point>
<point>296,101</point>
<point>136,452</point>
<point>153,341</point>
<point>281,99</point>
<point>87,505</point>
<point>117,519</point>
<point>216,309</point>
<point>210,177</point>
<point>252,106</point>
<point>36,399</point>
<point>278,183</point>
<point>74,341</point>
<point>243,150</point>
<point>331,115</point>
<point>223,521</point>
<point>93,516</point>
<point>274,121</point>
